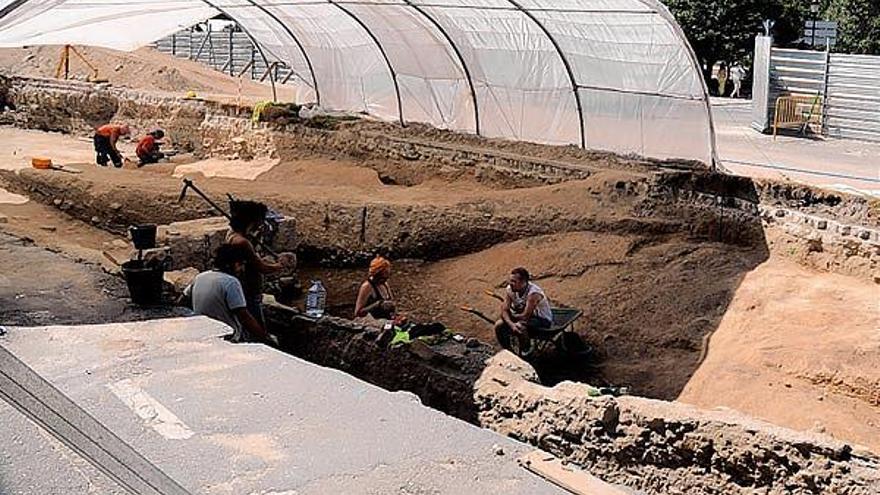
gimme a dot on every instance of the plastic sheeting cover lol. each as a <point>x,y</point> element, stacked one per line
<point>119,24</point>
<point>613,75</point>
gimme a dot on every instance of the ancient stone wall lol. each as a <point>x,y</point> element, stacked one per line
<point>213,129</point>
<point>441,375</point>
<point>238,138</point>
<point>192,243</point>
<point>823,243</point>
<point>79,107</point>
<point>667,447</point>
<point>60,106</point>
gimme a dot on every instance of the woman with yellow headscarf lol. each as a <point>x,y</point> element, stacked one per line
<point>374,296</point>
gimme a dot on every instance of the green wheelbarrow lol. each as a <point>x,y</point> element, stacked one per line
<point>561,334</point>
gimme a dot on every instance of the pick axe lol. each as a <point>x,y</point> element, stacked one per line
<point>189,184</point>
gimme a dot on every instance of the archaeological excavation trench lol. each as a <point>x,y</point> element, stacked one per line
<point>652,253</point>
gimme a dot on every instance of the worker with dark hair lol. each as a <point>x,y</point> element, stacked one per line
<point>105,139</point>
<point>218,294</point>
<point>148,147</point>
<point>246,226</point>
<point>525,307</point>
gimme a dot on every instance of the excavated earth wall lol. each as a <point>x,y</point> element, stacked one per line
<point>348,234</point>
<point>441,375</point>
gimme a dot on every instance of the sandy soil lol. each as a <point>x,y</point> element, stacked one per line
<point>50,228</point>
<point>39,287</point>
<point>799,348</point>
<point>644,300</point>
<point>144,69</point>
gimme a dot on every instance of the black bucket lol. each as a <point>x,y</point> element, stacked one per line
<point>144,282</point>
<point>143,236</point>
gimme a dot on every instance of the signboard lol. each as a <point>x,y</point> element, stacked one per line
<point>820,33</point>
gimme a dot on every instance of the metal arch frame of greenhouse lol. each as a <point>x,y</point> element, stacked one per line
<point>421,8</point>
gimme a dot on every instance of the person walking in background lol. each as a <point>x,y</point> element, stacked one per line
<point>722,78</point>
<point>105,140</point>
<point>737,74</point>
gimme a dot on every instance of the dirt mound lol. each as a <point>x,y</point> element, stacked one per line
<point>145,69</point>
<point>797,336</point>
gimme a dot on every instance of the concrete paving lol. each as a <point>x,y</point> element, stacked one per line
<point>242,419</point>
<point>846,165</point>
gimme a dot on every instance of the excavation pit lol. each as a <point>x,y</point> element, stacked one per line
<point>663,261</point>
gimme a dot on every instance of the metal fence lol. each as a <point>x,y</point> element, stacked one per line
<point>852,109</point>
<point>229,50</point>
<point>848,85</point>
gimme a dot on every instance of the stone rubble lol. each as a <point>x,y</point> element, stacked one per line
<point>667,447</point>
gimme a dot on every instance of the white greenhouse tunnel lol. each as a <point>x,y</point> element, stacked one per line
<point>612,75</point>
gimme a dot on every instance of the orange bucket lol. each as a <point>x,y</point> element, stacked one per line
<point>41,163</point>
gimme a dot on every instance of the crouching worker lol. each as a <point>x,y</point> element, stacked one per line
<point>148,148</point>
<point>105,139</point>
<point>374,296</point>
<point>218,294</point>
<point>525,308</point>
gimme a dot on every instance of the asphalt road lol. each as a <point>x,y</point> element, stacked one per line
<point>845,165</point>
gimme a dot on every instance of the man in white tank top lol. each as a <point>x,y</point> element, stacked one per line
<point>525,306</point>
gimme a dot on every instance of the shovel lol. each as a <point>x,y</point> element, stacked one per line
<point>477,313</point>
<point>62,168</point>
<point>490,293</point>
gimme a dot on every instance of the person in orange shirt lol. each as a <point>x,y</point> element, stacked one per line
<point>105,140</point>
<point>148,148</point>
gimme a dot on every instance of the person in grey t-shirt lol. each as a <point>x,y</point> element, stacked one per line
<point>217,294</point>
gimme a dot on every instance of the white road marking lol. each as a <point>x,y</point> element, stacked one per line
<point>154,414</point>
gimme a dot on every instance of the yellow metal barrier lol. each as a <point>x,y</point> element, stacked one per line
<point>797,111</point>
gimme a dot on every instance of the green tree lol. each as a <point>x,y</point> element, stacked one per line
<point>719,30</point>
<point>858,25</point>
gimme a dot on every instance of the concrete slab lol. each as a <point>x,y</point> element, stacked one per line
<point>244,419</point>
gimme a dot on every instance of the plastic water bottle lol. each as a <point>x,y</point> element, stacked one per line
<point>316,298</point>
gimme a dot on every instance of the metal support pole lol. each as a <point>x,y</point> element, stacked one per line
<point>384,56</point>
<point>813,41</point>
<point>13,5</point>
<point>231,59</point>
<point>298,44</point>
<point>824,121</point>
<point>568,69</point>
<point>201,46</point>
<point>66,62</point>
<point>464,66</point>
<point>253,40</point>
